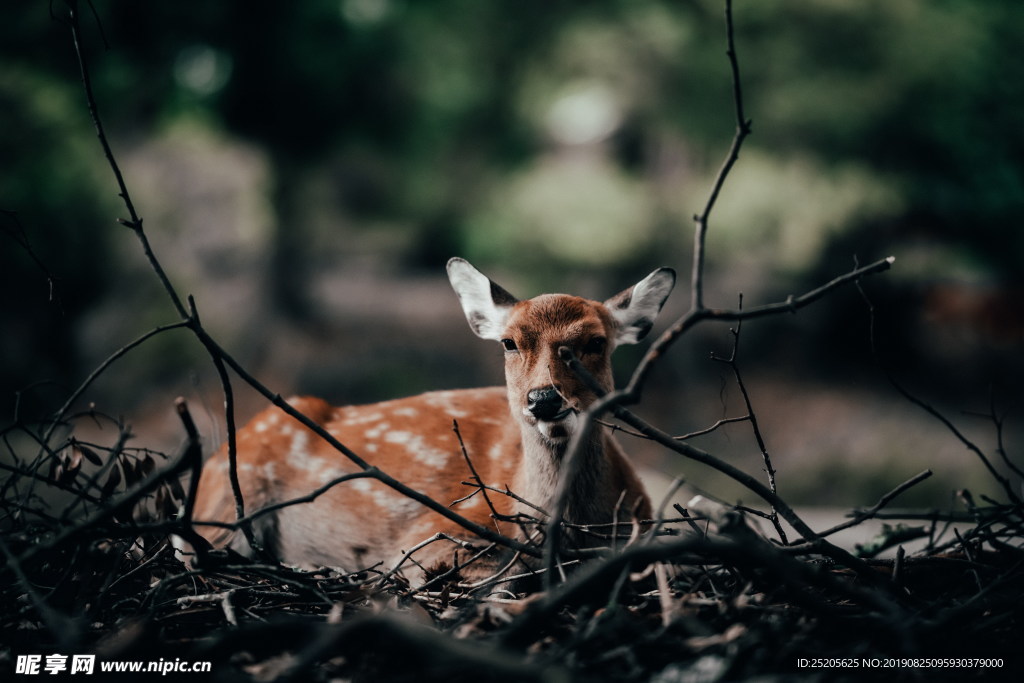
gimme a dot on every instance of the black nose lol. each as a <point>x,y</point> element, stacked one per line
<point>544,403</point>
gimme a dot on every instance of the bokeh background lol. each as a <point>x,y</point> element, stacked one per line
<point>305,169</point>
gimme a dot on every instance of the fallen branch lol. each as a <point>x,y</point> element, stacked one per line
<point>860,516</point>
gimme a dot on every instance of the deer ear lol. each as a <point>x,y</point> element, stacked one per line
<point>485,304</point>
<point>635,309</point>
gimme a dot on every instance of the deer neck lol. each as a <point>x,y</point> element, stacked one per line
<point>543,462</point>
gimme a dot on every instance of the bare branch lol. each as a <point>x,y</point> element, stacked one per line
<point>997,422</point>
<point>752,417</point>
<point>860,516</point>
<point>229,418</point>
<point>742,131</point>
<point>707,430</point>
<point>476,476</point>
<point>193,460</point>
<point>62,412</point>
<point>134,222</point>
<point>247,521</point>
<point>631,393</point>
<point>1003,481</point>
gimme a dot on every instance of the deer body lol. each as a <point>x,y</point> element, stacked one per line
<point>515,437</point>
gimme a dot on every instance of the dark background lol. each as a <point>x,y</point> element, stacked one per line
<point>305,169</point>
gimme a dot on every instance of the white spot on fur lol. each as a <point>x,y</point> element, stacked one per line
<point>407,411</point>
<point>417,446</point>
<point>385,499</point>
<point>424,529</point>
<point>300,457</point>
<point>300,445</point>
<point>377,432</point>
<point>353,419</point>
<point>272,420</point>
<point>444,400</point>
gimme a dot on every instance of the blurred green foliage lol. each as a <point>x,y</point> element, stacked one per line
<point>558,136</point>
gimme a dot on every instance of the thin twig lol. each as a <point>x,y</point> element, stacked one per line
<point>682,437</point>
<point>15,230</point>
<point>860,516</point>
<point>1003,481</point>
<point>631,393</point>
<point>61,413</point>
<point>707,430</point>
<point>997,422</point>
<point>229,417</point>
<point>134,222</point>
<point>122,504</point>
<point>298,500</point>
<point>659,516</point>
<point>193,460</point>
<point>743,128</point>
<point>920,403</point>
<point>752,417</point>
<point>122,436</point>
<point>476,476</point>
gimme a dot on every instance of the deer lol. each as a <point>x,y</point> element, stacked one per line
<point>511,439</point>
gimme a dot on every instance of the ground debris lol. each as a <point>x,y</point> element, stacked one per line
<point>720,619</point>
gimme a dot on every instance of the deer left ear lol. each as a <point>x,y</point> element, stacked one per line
<point>485,304</point>
<point>635,309</point>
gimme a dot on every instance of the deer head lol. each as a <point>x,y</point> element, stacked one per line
<point>544,394</point>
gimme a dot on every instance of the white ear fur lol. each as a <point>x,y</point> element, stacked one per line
<point>636,308</point>
<point>485,304</point>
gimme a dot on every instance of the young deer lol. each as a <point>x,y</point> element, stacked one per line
<point>514,436</point>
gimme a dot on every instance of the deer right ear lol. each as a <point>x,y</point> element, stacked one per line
<point>485,304</point>
<point>636,308</point>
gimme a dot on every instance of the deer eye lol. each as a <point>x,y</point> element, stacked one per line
<point>595,345</point>
<point>509,345</point>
